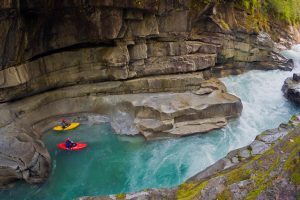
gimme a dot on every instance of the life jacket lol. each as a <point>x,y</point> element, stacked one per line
<point>68,144</point>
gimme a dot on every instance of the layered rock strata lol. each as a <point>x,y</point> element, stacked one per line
<point>195,105</point>
<point>266,169</point>
<point>96,65</point>
<point>68,43</point>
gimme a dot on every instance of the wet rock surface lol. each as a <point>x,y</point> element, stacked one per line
<point>269,170</point>
<point>291,88</point>
<point>23,158</point>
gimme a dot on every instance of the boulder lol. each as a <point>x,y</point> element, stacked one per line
<point>23,159</point>
<point>296,77</point>
<point>291,88</point>
<point>258,147</point>
<point>182,114</point>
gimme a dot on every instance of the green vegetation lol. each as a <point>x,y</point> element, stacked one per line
<point>224,25</point>
<point>238,174</point>
<point>225,195</point>
<point>293,162</point>
<point>198,5</point>
<point>120,196</point>
<point>294,118</point>
<point>250,5</point>
<point>261,10</point>
<point>263,179</point>
<point>189,190</point>
<point>288,10</point>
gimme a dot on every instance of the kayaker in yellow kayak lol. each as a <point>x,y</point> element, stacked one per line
<point>64,123</point>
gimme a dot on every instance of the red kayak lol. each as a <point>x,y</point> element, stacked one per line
<point>78,146</point>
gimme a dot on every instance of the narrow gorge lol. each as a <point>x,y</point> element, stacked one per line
<point>163,89</point>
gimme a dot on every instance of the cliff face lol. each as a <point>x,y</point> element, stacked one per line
<point>69,43</point>
<point>71,56</point>
<point>51,44</point>
<point>32,29</point>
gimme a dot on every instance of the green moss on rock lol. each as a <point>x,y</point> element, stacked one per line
<point>224,25</point>
<point>189,190</point>
<point>225,195</point>
<point>120,196</point>
<point>238,175</point>
<point>292,165</point>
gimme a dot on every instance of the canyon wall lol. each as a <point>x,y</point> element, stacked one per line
<point>49,44</point>
<point>153,60</point>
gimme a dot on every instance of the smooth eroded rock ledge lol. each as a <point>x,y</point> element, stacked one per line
<point>156,107</point>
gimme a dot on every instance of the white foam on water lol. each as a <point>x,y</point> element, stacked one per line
<point>294,54</point>
<point>97,119</point>
<point>296,48</point>
<point>123,123</point>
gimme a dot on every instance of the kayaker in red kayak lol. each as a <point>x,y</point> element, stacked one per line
<point>78,146</point>
<point>69,143</point>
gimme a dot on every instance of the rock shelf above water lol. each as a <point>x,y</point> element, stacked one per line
<point>174,106</point>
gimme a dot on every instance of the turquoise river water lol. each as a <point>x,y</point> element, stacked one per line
<point>118,164</point>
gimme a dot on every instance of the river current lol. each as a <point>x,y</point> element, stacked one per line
<point>118,164</point>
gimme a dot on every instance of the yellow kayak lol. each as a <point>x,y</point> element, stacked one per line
<point>72,126</point>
